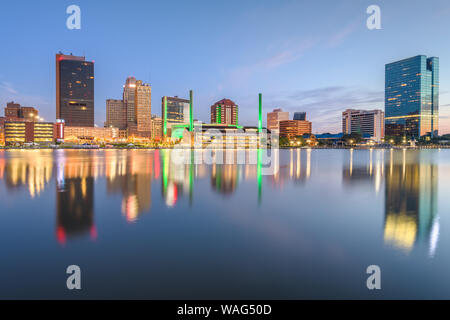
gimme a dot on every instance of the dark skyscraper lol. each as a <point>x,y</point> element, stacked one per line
<point>300,116</point>
<point>75,90</point>
<point>412,97</point>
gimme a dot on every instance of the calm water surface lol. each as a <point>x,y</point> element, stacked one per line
<point>142,226</point>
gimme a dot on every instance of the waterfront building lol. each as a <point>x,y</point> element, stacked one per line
<point>294,128</point>
<point>224,111</point>
<point>59,130</point>
<point>129,92</point>
<point>218,136</point>
<point>116,114</point>
<point>20,132</point>
<point>177,111</point>
<point>412,97</point>
<point>370,122</point>
<point>157,127</point>
<point>300,116</point>
<point>274,118</point>
<point>75,90</point>
<point>143,109</point>
<point>15,112</point>
<point>89,134</point>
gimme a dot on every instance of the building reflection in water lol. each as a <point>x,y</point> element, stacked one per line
<point>130,174</point>
<point>410,181</point>
<point>411,200</point>
<point>33,170</point>
<point>75,175</point>
<point>361,170</point>
<point>297,169</point>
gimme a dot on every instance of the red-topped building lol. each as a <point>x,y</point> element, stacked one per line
<point>224,111</point>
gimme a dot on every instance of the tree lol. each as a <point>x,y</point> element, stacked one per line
<point>352,138</point>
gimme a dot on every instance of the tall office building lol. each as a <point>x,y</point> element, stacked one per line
<point>116,114</point>
<point>75,90</point>
<point>129,91</point>
<point>177,111</point>
<point>300,116</point>
<point>224,111</point>
<point>143,109</point>
<point>365,122</point>
<point>412,97</point>
<point>274,118</point>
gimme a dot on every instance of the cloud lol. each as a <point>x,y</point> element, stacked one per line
<point>290,53</point>
<point>339,37</point>
<point>6,86</point>
<point>9,93</point>
<point>324,106</point>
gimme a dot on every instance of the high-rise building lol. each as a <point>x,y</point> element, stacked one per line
<point>129,91</point>
<point>143,109</point>
<point>294,128</point>
<point>75,90</point>
<point>177,111</point>
<point>15,112</point>
<point>224,111</point>
<point>300,116</point>
<point>157,127</point>
<point>116,114</point>
<point>274,118</point>
<point>370,122</point>
<point>412,97</point>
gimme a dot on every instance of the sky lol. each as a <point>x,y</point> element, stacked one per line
<point>313,56</point>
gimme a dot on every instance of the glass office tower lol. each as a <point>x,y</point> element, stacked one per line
<point>412,97</point>
<point>75,90</point>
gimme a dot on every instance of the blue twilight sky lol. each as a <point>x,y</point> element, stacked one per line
<point>314,56</point>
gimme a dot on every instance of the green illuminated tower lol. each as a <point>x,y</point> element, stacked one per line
<point>260,114</point>
<point>165,117</point>
<point>191,105</point>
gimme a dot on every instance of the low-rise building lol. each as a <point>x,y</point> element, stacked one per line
<point>78,134</point>
<point>20,132</point>
<point>295,128</point>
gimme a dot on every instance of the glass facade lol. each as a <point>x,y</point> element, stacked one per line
<point>177,111</point>
<point>75,91</point>
<point>412,97</point>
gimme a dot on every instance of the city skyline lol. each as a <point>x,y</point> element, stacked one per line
<point>305,66</point>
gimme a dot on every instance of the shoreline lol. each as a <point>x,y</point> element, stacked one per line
<point>280,148</point>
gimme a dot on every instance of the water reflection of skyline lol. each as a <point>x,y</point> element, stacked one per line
<point>409,180</point>
<point>410,190</point>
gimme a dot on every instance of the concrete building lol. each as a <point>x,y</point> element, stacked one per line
<point>143,111</point>
<point>293,128</point>
<point>15,112</point>
<point>274,118</point>
<point>157,127</point>
<point>88,134</point>
<point>370,122</point>
<point>20,132</point>
<point>224,111</point>
<point>116,114</point>
<point>129,92</point>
